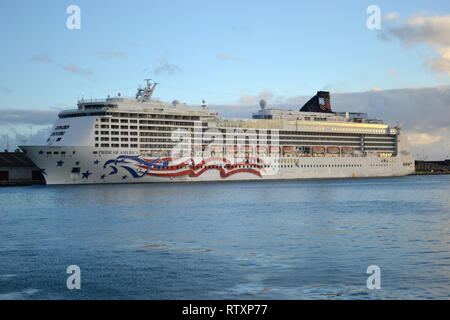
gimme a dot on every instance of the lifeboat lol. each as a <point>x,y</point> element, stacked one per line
<point>261,149</point>
<point>288,149</point>
<point>333,149</point>
<point>318,149</point>
<point>347,149</point>
<point>274,149</point>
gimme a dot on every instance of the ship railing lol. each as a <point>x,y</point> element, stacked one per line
<point>91,100</point>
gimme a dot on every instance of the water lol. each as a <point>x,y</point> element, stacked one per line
<point>243,240</point>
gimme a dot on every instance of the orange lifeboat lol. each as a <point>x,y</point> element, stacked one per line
<point>347,150</point>
<point>246,148</point>
<point>274,149</point>
<point>288,149</point>
<point>333,149</point>
<point>318,149</point>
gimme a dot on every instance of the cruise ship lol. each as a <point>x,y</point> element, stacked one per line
<point>141,139</point>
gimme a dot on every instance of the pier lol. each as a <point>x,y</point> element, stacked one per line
<point>16,169</point>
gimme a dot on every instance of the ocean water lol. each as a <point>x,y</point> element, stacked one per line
<point>239,240</point>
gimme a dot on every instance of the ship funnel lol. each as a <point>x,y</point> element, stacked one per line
<point>319,103</point>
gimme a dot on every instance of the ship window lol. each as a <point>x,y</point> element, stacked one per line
<point>124,145</point>
<point>58,139</point>
<point>105,145</point>
<point>75,170</point>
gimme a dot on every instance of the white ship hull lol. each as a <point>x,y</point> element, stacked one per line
<point>58,163</point>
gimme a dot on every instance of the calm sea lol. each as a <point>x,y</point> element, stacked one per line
<point>242,240</point>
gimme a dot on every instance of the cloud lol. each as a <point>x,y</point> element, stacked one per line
<point>422,138</point>
<point>228,57</point>
<point>264,94</point>
<point>27,116</point>
<point>42,57</point>
<point>12,137</point>
<point>430,30</point>
<point>76,69</point>
<point>163,66</point>
<point>46,58</point>
<point>108,55</point>
<point>393,17</point>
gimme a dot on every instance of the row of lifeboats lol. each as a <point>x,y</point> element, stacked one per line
<point>314,149</point>
<point>332,150</point>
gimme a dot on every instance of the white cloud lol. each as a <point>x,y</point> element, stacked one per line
<point>391,17</point>
<point>430,30</point>
<point>422,138</point>
<point>249,99</point>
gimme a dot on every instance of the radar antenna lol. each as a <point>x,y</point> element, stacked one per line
<point>144,95</point>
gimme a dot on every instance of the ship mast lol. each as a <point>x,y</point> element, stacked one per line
<point>144,95</point>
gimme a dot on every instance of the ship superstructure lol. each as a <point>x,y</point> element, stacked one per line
<point>141,139</point>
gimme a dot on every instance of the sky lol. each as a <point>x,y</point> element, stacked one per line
<point>229,53</point>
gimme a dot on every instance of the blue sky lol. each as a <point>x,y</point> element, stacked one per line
<point>218,50</point>
<point>230,53</point>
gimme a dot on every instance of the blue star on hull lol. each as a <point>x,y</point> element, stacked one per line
<point>86,175</point>
<point>96,161</point>
<point>59,163</point>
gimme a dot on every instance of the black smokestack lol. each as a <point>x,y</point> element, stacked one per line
<point>319,103</point>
